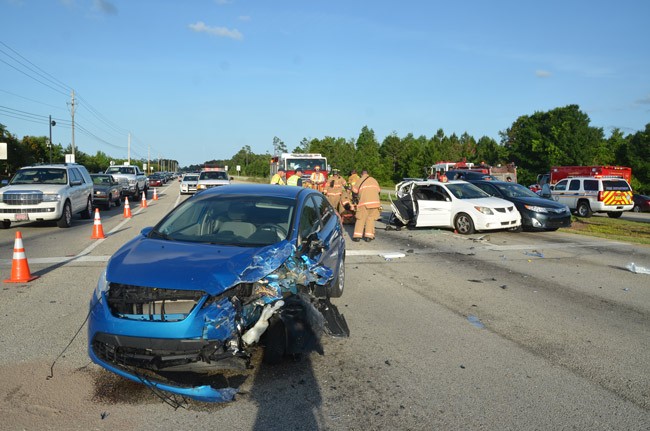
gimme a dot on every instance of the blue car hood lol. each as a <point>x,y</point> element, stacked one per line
<point>190,266</point>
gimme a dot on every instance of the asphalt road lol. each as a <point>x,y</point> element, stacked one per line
<point>528,331</point>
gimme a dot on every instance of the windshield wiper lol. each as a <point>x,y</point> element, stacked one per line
<point>157,234</point>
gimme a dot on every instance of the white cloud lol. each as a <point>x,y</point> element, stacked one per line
<point>244,18</point>
<point>200,27</point>
<point>542,73</point>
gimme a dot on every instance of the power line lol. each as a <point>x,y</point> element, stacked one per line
<point>32,100</point>
<point>39,75</point>
<point>101,117</point>
<point>26,74</point>
<point>21,114</point>
<point>42,73</point>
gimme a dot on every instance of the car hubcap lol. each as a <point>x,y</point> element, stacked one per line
<point>463,225</point>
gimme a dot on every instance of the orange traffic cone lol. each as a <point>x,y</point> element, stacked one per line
<point>144,200</point>
<point>127,208</point>
<point>155,195</point>
<point>98,230</point>
<point>19,267</point>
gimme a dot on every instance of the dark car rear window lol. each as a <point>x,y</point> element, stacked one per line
<point>613,185</point>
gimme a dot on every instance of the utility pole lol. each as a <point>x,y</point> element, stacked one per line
<point>72,108</point>
<point>128,153</point>
<point>52,123</point>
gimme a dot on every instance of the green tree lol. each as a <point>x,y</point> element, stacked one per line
<point>36,147</point>
<point>617,141</point>
<point>561,136</point>
<point>394,157</point>
<point>635,153</point>
<point>303,147</point>
<point>488,150</point>
<point>367,155</point>
<point>279,146</point>
<point>244,158</point>
<point>15,154</point>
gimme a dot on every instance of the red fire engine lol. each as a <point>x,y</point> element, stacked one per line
<point>558,173</point>
<point>306,161</point>
<point>503,173</point>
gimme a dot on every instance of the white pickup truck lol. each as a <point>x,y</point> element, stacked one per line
<point>137,179</point>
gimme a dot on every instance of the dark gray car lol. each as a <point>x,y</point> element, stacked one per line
<point>106,191</point>
<point>536,213</point>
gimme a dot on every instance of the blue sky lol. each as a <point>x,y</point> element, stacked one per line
<point>197,80</point>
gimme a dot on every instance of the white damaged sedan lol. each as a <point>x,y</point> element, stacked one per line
<point>454,204</point>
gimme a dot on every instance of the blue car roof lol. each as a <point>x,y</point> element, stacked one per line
<point>274,190</point>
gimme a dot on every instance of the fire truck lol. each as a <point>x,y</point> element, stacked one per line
<point>558,173</point>
<point>306,161</point>
<point>500,172</point>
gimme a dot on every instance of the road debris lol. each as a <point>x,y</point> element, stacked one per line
<point>632,267</point>
<point>474,320</point>
<point>392,255</point>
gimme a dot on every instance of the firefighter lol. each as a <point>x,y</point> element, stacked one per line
<point>353,178</point>
<point>279,177</point>
<point>368,207</point>
<point>334,190</point>
<point>317,179</point>
<point>296,178</point>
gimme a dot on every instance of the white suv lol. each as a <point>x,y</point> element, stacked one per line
<point>47,192</point>
<point>588,195</point>
<point>209,179</point>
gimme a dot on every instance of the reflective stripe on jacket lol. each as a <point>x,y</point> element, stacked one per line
<point>368,190</point>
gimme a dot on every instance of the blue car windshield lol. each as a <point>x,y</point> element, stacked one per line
<point>237,220</point>
<point>514,190</point>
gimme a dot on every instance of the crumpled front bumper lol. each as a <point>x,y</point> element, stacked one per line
<point>149,347</point>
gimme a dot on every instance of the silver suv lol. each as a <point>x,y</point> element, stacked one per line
<point>47,192</point>
<point>588,195</point>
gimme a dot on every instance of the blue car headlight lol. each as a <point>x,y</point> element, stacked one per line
<point>102,286</point>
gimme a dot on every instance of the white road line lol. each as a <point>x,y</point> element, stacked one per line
<point>551,245</point>
<point>369,252</point>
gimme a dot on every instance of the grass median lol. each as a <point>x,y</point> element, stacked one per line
<point>613,229</point>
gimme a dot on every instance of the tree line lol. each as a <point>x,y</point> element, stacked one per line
<point>534,143</point>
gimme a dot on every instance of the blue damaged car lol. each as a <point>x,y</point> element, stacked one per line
<point>229,269</point>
